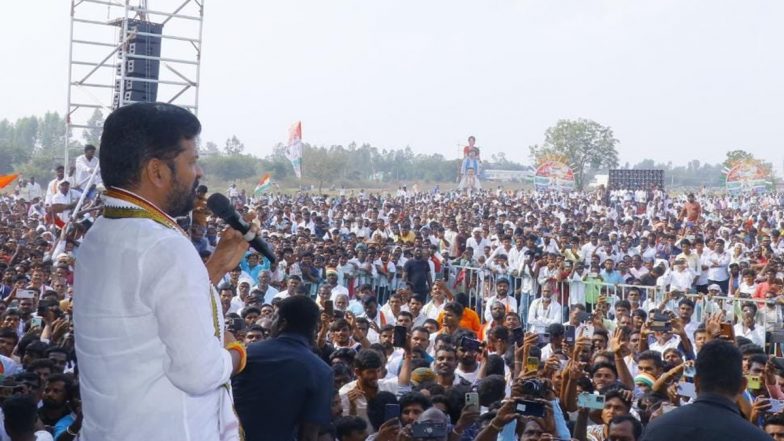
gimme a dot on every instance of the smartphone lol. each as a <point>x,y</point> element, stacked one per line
<point>689,371</point>
<point>236,324</point>
<point>725,331</point>
<point>472,399</point>
<point>590,401</point>
<point>329,308</point>
<point>25,294</point>
<point>755,382</point>
<point>587,330</point>
<point>469,344</point>
<point>570,333</point>
<point>518,335</point>
<point>36,322</point>
<point>776,406</point>
<point>530,408</point>
<point>660,322</point>
<point>532,364</point>
<point>686,389</point>
<point>400,337</point>
<point>391,411</point>
<point>584,317</point>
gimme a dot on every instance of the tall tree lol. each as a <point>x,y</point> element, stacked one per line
<point>234,146</point>
<point>587,145</point>
<point>51,133</point>
<point>736,155</point>
<point>93,134</point>
<point>211,149</point>
<point>322,165</point>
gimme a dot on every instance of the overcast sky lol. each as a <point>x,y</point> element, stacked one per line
<point>676,80</point>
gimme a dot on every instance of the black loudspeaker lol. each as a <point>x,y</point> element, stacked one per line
<point>623,179</point>
<point>141,68</point>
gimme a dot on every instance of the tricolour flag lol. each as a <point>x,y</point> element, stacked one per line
<point>294,150</point>
<point>7,179</point>
<point>263,185</point>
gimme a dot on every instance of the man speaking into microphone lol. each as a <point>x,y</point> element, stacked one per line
<point>154,361</point>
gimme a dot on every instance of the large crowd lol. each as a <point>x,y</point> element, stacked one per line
<point>488,315</point>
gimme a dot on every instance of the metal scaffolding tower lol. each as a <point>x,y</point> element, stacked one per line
<point>103,53</point>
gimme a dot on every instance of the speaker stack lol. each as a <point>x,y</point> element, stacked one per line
<point>625,179</point>
<point>136,69</point>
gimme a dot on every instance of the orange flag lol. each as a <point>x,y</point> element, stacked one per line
<point>7,179</point>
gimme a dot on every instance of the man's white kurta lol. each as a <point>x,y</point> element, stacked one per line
<point>151,367</point>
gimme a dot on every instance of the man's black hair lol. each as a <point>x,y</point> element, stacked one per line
<point>601,365</point>
<point>603,333</point>
<point>20,414</point>
<point>495,365</point>
<point>776,419</point>
<point>414,398</point>
<point>345,355</point>
<point>759,359</point>
<point>249,310</point>
<point>750,349</point>
<point>135,134</point>
<point>492,388</point>
<point>720,368</point>
<point>687,302</point>
<point>9,333</point>
<point>462,298</point>
<point>455,308</point>
<point>367,359</point>
<point>67,380</point>
<point>655,356</point>
<point>40,363</point>
<point>345,426</point>
<point>301,315</point>
<point>636,425</point>
<point>57,350</point>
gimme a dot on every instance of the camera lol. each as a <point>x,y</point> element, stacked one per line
<point>428,429</point>
<point>660,322</point>
<point>533,388</point>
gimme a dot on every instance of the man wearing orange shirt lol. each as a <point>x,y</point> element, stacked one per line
<point>469,319</point>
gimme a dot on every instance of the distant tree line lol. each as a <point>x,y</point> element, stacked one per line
<point>33,145</point>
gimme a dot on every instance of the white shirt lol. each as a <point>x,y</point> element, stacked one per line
<point>361,402</point>
<point>32,190</point>
<point>509,302</point>
<point>540,317</point>
<point>51,189</point>
<point>84,168</point>
<point>65,198</point>
<point>721,271</point>
<point>672,343</point>
<point>757,336</point>
<point>146,336</point>
<point>680,280</point>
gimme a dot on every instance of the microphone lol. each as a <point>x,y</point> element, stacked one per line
<point>221,206</point>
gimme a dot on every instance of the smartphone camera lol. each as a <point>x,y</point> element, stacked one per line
<point>469,344</point>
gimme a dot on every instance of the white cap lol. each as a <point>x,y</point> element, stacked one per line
<point>714,287</point>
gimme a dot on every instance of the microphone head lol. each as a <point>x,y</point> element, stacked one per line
<point>220,205</point>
